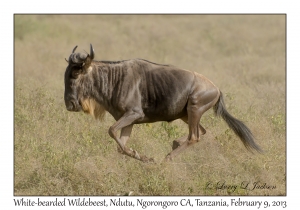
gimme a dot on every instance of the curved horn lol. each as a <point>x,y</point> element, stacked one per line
<point>92,53</point>
<point>74,49</point>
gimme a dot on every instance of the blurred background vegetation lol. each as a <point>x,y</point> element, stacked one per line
<point>57,152</point>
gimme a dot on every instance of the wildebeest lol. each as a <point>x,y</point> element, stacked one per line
<point>139,91</point>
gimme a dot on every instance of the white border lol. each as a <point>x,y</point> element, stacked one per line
<point>154,6</point>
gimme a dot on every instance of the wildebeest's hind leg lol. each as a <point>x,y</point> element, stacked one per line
<point>198,103</point>
<point>193,137</point>
<point>180,141</point>
<point>125,123</point>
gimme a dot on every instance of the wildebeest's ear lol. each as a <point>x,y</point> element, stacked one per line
<point>87,63</point>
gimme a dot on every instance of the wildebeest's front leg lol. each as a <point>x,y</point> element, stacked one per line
<point>126,123</point>
<point>124,136</point>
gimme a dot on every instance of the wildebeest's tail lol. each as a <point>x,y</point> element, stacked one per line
<point>239,128</point>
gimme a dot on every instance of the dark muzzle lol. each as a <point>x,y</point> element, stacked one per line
<point>72,105</point>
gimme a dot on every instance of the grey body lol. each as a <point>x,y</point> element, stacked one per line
<point>139,91</point>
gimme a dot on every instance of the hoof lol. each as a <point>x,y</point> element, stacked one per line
<point>175,144</point>
<point>202,130</point>
<point>120,150</point>
<point>136,154</point>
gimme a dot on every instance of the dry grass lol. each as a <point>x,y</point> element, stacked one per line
<point>62,153</point>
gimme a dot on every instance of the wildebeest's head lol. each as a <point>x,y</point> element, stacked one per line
<point>79,65</point>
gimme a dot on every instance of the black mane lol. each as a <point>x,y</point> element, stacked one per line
<point>153,62</point>
<point>113,62</point>
<point>121,61</point>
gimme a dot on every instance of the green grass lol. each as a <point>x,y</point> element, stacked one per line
<point>57,152</point>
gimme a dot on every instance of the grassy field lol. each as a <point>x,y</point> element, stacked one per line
<point>57,152</point>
